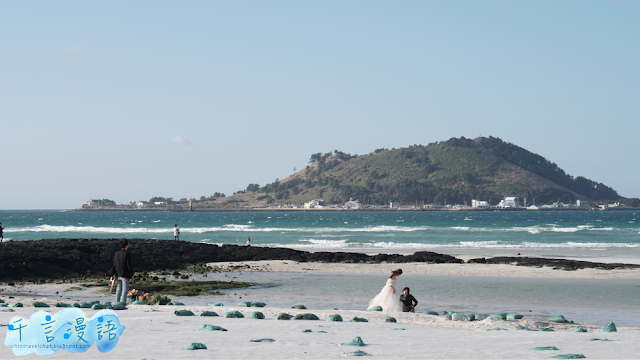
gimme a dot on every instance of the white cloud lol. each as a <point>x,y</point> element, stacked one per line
<point>180,140</point>
<point>73,50</point>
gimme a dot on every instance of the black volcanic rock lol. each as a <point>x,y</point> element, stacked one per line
<point>56,258</point>
<point>556,263</point>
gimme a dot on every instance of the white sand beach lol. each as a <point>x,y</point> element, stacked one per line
<point>432,269</point>
<point>163,335</point>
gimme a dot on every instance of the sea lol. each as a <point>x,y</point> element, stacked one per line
<point>563,233</point>
<point>345,230</point>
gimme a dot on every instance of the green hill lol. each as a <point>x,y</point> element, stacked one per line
<point>455,171</point>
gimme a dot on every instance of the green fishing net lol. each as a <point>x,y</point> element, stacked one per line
<point>306,317</point>
<point>525,328</point>
<point>376,308</point>
<point>39,304</point>
<point>196,346</point>
<point>208,313</point>
<point>183,313</point>
<point>459,317</point>
<point>357,319</point>
<point>569,356</point>
<point>390,319</point>
<point>358,353</point>
<point>233,314</point>
<point>355,342</point>
<point>256,315</point>
<point>334,317</point>
<point>609,328</point>
<point>212,328</point>
<point>558,319</point>
<point>283,316</point>
<point>541,348</point>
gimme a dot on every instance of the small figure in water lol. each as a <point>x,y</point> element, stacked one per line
<point>176,232</point>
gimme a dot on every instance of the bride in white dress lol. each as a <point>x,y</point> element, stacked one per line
<point>388,298</point>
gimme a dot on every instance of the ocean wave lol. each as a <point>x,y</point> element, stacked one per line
<point>91,229</point>
<point>326,231</point>
<point>320,244</point>
<point>326,244</point>
<point>460,228</point>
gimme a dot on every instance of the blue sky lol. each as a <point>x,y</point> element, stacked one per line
<point>129,100</point>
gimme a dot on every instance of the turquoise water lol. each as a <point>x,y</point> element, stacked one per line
<point>590,301</point>
<point>587,301</point>
<point>391,230</point>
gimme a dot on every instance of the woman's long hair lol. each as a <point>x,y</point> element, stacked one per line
<point>395,273</point>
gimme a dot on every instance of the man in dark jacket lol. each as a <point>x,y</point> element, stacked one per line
<point>123,270</point>
<point>408,301</point>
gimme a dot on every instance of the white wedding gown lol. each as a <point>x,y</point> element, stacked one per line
<point>387,299</point>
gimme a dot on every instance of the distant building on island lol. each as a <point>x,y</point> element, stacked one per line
<point>480,204</point>
<point>141,204</point>
<point>315,203</point>
<point>509,202</point>
<point>352,204</point>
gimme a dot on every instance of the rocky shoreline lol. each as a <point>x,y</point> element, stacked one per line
<point>41,260</point>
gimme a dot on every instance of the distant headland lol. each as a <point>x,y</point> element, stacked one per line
<point>481,174</point>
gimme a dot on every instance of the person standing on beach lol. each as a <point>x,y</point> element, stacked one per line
<point>408,301</point>
<point>388,299</point>
<point>123,270</point>
<point>248,241</point>
<point>176,232</point>
<point>2,235</point>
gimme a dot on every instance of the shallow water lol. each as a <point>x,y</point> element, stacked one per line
<point>587,301</point>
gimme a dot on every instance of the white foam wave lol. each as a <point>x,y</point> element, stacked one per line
<point>326,244</point>
<point>313,244</point>
<point>316,230</point>
<point>460,227</point>
<point>91,229</point>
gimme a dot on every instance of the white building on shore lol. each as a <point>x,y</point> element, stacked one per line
<point>509,202</point>
<point>352,204</point>
<point>480,204</point>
